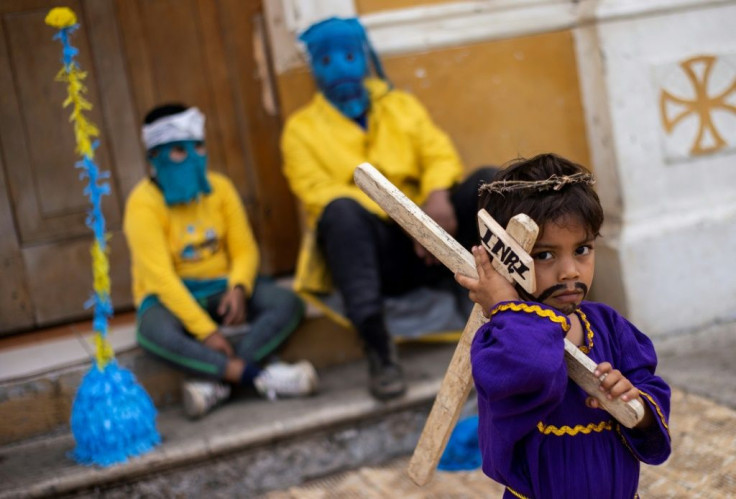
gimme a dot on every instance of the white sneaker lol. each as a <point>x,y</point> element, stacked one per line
<point>200,397</point>
<point>286,380</point>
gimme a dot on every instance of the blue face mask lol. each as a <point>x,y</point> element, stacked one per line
<point>339,69</point>
<point>181,170</point>
<point>337,50</point>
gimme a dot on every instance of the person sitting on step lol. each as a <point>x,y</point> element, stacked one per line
<point>351,242</point>
<point>195,270</point>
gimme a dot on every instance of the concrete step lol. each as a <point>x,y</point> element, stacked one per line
<point>249,445</point>
<point>40,372</point>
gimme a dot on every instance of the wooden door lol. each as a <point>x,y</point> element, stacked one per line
<point>45,242</point>
<point>138,54</point>
<point>213,54</point>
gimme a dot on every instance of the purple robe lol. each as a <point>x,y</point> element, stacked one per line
<point>536,435</point>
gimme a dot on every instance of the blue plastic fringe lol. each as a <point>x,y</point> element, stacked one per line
<point>113,418</point>
<point>462,452</point>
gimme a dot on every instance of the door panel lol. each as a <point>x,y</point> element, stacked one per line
<point>205,54</point>
<point>171,61</point>
<point>247,53</point>
<point>36,132</point>
<point>45,239</point>
<point>60,277</point>
<point>16,308</point>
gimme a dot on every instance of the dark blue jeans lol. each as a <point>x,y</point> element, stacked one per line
<point>273,314</point>
<point>369,257</point>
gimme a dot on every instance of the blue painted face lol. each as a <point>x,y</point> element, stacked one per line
<point>338,50</point>
<point>181,170</point>
<point>339,68</point>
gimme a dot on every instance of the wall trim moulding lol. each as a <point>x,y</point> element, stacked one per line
<point>449,24</point>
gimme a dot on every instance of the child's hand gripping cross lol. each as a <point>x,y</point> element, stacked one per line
<point>490,287</point>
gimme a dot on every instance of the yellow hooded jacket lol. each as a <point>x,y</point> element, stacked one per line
<point>321,148</point>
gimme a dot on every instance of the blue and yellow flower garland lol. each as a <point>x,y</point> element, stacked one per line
<point>112,417</point>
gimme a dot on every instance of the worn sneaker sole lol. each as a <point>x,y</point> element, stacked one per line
<point>384,394</point>
<point>312,374</point>
<point>387,383</point>
<point>194,404</point>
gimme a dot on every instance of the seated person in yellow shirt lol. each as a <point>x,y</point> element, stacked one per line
<point>195,269</point>
<point>352,119</point>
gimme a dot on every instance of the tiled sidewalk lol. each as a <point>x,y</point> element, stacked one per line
<point>702,465</point>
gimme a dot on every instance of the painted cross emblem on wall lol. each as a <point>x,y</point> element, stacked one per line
<point>674,109</point>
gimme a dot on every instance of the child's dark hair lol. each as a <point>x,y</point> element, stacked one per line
<point>162,111</point>
<point>568,194</point>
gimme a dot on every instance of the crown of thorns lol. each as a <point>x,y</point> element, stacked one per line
<point>555,182</point>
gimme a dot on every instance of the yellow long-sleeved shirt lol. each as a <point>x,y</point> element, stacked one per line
<point>205,239</point>
<point>321,148</point>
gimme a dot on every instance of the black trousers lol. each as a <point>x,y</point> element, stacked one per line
<point>370,258</point>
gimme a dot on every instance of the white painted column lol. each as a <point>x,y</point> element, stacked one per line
<point>667,259</point>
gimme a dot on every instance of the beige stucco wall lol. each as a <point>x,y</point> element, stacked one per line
<point>369,6</point>
<point>497,100</point>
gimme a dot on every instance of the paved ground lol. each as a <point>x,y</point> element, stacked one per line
<point>703,464</point>
<point>700,368</point>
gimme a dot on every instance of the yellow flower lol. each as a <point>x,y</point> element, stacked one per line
<point>61,17</point>
<point>103,351</point>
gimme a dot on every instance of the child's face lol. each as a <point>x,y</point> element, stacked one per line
<point>563,264</point>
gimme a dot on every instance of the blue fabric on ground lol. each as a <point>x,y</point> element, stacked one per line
<point>462,452</point>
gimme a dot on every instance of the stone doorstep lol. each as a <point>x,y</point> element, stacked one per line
<point>38,382</point>
<point>50,350</point>
<point>42,467</point>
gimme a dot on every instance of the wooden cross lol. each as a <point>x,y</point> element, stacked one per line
<point>458,379</point>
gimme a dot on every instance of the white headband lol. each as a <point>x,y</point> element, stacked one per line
<point>187,125</point>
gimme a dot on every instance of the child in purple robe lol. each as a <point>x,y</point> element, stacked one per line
<point>540,434</point>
